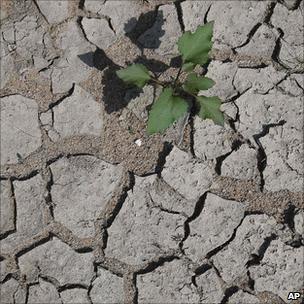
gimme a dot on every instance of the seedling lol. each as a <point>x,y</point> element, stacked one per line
<point>178,98</point>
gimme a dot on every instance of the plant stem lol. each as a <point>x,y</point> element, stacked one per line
<point>177,76</point>
<point>193,95</point>
<point>158,82</point>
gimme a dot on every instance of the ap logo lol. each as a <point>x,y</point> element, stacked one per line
<point>293,295</point>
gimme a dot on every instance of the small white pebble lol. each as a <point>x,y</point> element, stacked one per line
<point>138,142</point>
<point>11,47</point>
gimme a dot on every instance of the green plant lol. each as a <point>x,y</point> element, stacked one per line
<point>179,98</point>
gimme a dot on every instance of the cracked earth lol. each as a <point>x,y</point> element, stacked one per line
<point>95,211</point>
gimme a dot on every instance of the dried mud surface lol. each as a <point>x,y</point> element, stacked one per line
<point>93,210</point>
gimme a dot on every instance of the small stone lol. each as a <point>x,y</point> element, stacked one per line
<point>138,142</point>
<point>54,11</point>
<point>241,164</point>
<point>59,261</point>
<point>189,177</point>
<point>214,226</point>
<point>107,288</point>
<point>75,295</point>
<point>211,140</point>
<point>98,32</point>
<point>243,297</point>
<point>141,230</point>
<point>78,114</point>
<point>222,74</point>
<point>169,283</point>
<point>210,287</point>
<point>280,271</point>
<point>232,260</point>
<point>31,207</point>
<point>7,208</point>
<point>163,35</point>
<point>20,133</point>
<point>82,187</point>
<point>44,292</point>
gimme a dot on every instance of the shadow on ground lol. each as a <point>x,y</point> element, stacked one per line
<point>149,29</point>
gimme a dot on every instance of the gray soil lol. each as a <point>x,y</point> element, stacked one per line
<point>93,210</point>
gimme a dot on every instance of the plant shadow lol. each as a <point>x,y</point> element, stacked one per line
<point>148,30</point>
<point>145,34</point>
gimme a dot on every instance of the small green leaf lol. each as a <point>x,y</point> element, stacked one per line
<point>165,111</point>
<point>195,47</point>
<point>195,83</point>
<point>136,74</point>
<point>210,108</point>
<point>188,67</point>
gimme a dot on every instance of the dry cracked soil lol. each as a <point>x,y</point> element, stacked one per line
<point>95,211</point>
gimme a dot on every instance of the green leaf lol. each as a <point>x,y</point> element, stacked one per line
<point>136,74</point>
<point>165,111</point>
<point>195,83</point>
<point>188,67</point>
<point>195,47</point>
<point>210,108</point>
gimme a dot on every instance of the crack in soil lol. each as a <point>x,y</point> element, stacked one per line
<point>261,154</point>
<point>252,32</point>
<point>180,13</point>
<point>260,201</point>
<point>197,211</point>
<point>230,291</point>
